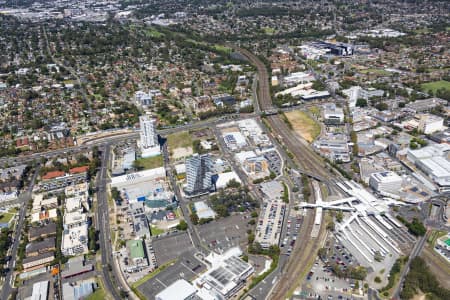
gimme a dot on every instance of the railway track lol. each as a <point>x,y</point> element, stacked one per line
<point>305,251</point>
<point>301,151</point>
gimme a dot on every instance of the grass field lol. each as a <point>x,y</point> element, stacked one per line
<point>221,48</point>
<point>99,293</point>
<point>152,32</point>
<point>269,30</point>
<point>438,266</point>
<point>217,47</point>
<point>179,140</point>
<point>303,124</point>
<point>149,162</point>
<point>380,72</point>
<point>156,230</point>
<point>6,217</point>
<point>435,85</point>
<point>434,236</point>
<point>315,111</point>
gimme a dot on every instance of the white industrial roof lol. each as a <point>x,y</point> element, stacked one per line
<point>180,289</point>
<point>243,155</point>
<point>130,178</point>
<point>386,176</point>
<point>40,290</point>
<point>226,271</point>
<point>224,178</point>
<point>430,151</point>
<point>203,210</point>
<point>238,138</point>
<point>439,165</point>
<point>74,217</point>
<point>180,168</point>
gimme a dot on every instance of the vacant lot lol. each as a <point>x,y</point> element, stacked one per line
<point>179,140</point>
<point>149,162</point>
<point>303,124</point>
<point>436,85</point>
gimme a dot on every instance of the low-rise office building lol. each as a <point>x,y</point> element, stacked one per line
<point>429,124</point>
<point>434,161</point>
<point>386,181</point>
<point>227,275</point>
<point>75,240</point>
<point>41,231</point>
<point>36,248</point>
<point>36,262</point>
<point>179,290</point>
<point>332,114</point>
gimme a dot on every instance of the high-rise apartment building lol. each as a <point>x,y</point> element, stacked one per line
<point>149,138</point>
<point>198,174</point>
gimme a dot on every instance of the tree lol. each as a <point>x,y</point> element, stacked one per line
<point>339,216</point>
<point>251,238</point>
<point>330,226</point>
<point>381,106</point>
<point>92,239</point>
<point>182,225</point>
<point>416,227</point>
<point>361,102</point>
<point>322,253</point>
<point>233,183</point>
<point>318,85</point>
<point>194,218</point>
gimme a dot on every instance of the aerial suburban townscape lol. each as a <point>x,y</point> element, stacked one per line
<point>229,149</point>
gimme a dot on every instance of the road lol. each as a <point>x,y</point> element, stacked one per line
<point>68,68</point>
<point>114,139</point>
<point>102,225</point>
<point>183,202</point>
<point>24,198</point>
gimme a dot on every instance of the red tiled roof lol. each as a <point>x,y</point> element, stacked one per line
<point>53,174</point>
<point>79,170</point>
<point>22,142</point>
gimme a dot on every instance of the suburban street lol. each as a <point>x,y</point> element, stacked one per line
<point>23,199</point>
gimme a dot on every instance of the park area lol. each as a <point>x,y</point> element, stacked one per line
<point>6,217</point>
<point>303,124</point>
<point>435,86</point>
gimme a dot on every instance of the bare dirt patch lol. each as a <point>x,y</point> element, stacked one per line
<point>303,125</point>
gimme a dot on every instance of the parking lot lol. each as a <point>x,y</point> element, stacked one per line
<point>275,163</point>
<point>186,267</point>
<point>170,247</point>
<point>268,230</point>
<point>225,233</point>
<point>443,252</point>
<point>322,282</point>
<point>293,226</point>
<point>337,253</point>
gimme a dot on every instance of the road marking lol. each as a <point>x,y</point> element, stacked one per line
<point>184,265</point>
